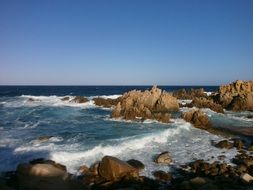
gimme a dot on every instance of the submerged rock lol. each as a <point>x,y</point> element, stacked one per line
<point>80,99</point>
<point>153,104</point>
<point>106,102</point>
<point>198,118</point>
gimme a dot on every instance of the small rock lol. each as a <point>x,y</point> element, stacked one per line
<point>163,176</point>
<point>198,181</point>
<point>224,144</point>
<point>66,98</point>
<point>246,177</point>
<point>94,168</point>
<point>221,157</point>
<point>83,169</point>
<point>80,99</point>
<point>163,158</point>
<point>44,138</point>
<point>136,164</point>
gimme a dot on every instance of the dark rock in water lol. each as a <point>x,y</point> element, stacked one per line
<point>112,168</point>
<point>136,164</point>
<point>31,100</point>
<point>250,116</point>
<point>153,104</point>
<point>206,103</point>
<point>163,158</point>
<point>66,98</point>
<point>221,157</point>
<point>184,94</point>
<point>106,102</point>
<point>84,169</point>
<point>94,168</point>
<point>198,118</point>
<point>224,144</point>
<point>80,99</point>
<point>238,143</point>
<point>44,138</point>
<point>163,176</point>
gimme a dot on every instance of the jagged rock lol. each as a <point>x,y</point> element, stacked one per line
<point>162,176</point>
<point>224,144</point>
<point>80,99</point>
<point>237,96</point>
<point>184,94</point>
<point>198,118</point>
<point>136,164</point>
<point>163,158</point>
<point>106,102</point>
<point>153,104</point>
<point>112,168</point>
<point>206,103</point>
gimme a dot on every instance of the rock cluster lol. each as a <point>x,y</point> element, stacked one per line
<point>206,103</point>
<point>198,118</point>
<point>237,96</point>
<point>153,104</point>
<point>184,94</point>
<point>80,99</point>
<point>107,103</point>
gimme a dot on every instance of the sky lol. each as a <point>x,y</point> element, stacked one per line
<point>125,42</point>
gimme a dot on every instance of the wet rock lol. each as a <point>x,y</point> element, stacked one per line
<point>112,168</point>
<point>246,178</point>
<point>206,103</point>
<point>84,169</point>
<point>44,138</point>
<point>153,104</point>
<point>136,164</point>
<point>106,102</point>
<point>162,176</point>
<point>80,99</point>
<point>51,162</point>
<point>221,157</point>
<point>94,168</point>
<point>238,143</point>
<point>184,94</point>
<point>224,144</point>
<point>198,181</point>
<point>163,158</point>
<point>198,118</point>
<point>66,98</point>
<point>31,100</point>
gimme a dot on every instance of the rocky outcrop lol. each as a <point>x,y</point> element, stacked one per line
<point>153,104</point>
<point>44,176</point>
<point>184,94</point>
<point>112,168</point>
<point>80,99</point>
<point>107,103</point>
<point>198,118</point>
<point>237,96</point>
<point>206,103</point>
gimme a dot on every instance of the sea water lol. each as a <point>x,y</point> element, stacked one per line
<point>84,133</point>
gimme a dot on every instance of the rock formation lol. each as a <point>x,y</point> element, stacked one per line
<point>237,96</point>
<point>184,94</point>
<point>198,118</point>
<point>153,104</point>
<point>80,99</point>
<point>206,103</point>
<point>107,103</point>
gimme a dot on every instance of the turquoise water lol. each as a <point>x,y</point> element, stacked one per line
<point>84,133</point>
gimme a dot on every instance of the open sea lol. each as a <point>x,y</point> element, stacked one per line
<point>84,133</point>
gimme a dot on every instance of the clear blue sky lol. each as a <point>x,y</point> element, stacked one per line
<point>120,42</point>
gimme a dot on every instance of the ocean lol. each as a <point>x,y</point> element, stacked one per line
<point>82,134</point>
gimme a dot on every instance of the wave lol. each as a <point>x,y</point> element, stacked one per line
<point>114,96</point>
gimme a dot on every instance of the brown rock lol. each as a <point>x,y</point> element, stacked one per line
<point>66,98</point>
<point>247,178</point>
<point>112,168</point>
<point>198,181</point>
<point>136,164</point>
<point>184,94</point>
<point>162,176</point>
<point>106,102</point>
<point>162,117</point>
<point>94,168</point>
<point>206,103</point>
<point>198,118</point>
<point>44,138</point>
<point>163,158</point>
<point>80,99</point>
<point>224,144</point>
<point>84,169</point>
<point>31,100</point>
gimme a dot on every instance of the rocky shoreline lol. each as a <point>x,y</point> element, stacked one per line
<point>155,104</point>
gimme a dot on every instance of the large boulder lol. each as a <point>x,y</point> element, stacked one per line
<point>112,168</point>
<point>198,118</point>
<point>184,94</point>
<point>153,104</point>
<point>206,103</point>
<point>237,96</point>
<point>44,177</point>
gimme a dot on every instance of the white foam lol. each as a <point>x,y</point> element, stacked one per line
<point>184,102</point>
<point>114,96</point>
<point>208,93</point>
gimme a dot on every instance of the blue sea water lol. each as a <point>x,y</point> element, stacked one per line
<point>84,133</point>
